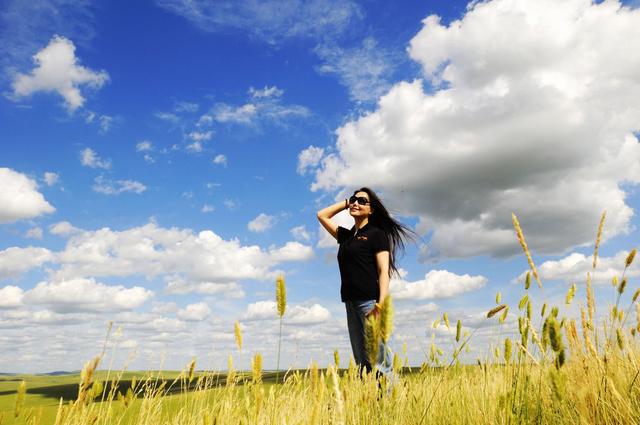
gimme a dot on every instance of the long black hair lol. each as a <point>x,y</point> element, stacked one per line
<point>397,233</point>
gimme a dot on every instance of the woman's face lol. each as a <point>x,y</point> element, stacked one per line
<point>356,209</point>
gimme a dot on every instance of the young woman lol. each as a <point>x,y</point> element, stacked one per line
<point>366,259</point>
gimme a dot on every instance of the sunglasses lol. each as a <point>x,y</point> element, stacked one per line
<point>359,199</point>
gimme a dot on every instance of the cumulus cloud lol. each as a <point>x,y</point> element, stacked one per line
<point>266,92</point>
<point>261,223</point>
<point>296,314</point>
<point>263,106</point>
<point>63,228</point>
<point>436,284</point>
<point>151,251</point>
<point>365,70</point>
<point>103,121</point>
<point>89,158</point>
<point>530,105</point>
<point>177,286</point>
<point>194,312</point>
<point>51,178</point>
<point>309,158</point>
<point>83,294</point>
<point>19,197</point>
<point>206,208</point>
<point>144,146</point>
<point>220,160</point>
<point>34,233</point>
<point>109,187</point>
<point>10,297</point>
<point>301,233</point>
<point>57,70</point>
<point>271,20</point>
<point>574,267</point>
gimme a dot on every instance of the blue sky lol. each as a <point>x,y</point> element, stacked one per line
<point>162,162</point>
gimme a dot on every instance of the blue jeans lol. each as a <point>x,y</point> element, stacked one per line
<point>356,314</point>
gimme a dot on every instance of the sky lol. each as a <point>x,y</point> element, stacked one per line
<point>161,163</point>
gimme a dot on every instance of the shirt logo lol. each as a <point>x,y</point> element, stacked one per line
<point>362,238</point>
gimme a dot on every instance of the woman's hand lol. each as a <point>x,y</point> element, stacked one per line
<point>375,311</point>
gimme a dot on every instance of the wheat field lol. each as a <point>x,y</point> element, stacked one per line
<point>557,370</point>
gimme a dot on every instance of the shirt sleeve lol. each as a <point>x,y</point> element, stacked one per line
<point>379,242</point>
<point>343,234</point>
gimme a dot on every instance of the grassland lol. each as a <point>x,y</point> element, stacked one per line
<point>562,370</point>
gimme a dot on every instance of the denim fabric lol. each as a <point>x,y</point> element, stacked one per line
<point>356,314</point>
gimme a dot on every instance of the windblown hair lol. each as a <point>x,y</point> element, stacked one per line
<point>397,233</point>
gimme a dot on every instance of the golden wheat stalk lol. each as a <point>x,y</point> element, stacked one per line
<point>386,319</point>
<point>598,238</point>
<point>372,338</point>
<point>525,248</point>
<point>281,295</point>
<point>495,310</point>
<point>22,390</point>
<point>238,333</point>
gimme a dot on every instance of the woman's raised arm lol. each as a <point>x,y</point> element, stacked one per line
<point>325,215</point>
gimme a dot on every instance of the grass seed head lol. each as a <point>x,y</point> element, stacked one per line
<point>458,330</point>
<point>504,315</point>
<point>498,297</point>
<point>336,358</point>
<point>507,350</point>
<point>372,338</point>
<point>445,319</point>
<point>22,390</point>
<point>238,333</point>
<point>495,310</point>
<point>630,257</point>
<point>598,238</point>
<point>614,281</point>
<point>527,281</point>
<point>570,294</point>
<point>525,248</point>
<point>386,319</point>
<point>622,286</point>
<point>256,368</point>
<point>281,295</point>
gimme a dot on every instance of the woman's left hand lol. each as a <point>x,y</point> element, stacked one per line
<point>375,311</point>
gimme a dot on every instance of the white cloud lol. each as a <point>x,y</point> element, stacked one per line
<point>179,286</point>
<point>10,297</point>
<point>574,268</point>
<point>144,146</point>
<point>241,114</point>
<point>295,314</point>
<point>194,147</point>
<point>302,315</point>
<point>309,158</point>
<point>34,233</point>
<point>436,284</point>
<point>220,160</point>
<point>207,208</point>
<point>364,70</point>
<point>200,136</point>
<point>86,295</point>
<point>103,121</point>
<point>51,178</point>
<point>63,228</point>
<point>194,312</point>
<point>269,20</point>
<point>167,116</point>
<point>301,233</point>
<point>264,106</point>
<point>186,107</point>
<point>261,223</point>
<point>89,158</point>
<point>109,187</point>
<point>151,251</point>
<point>230,204</point>
<point>57,70</point>
<point>266,92</point>
<point>531,104</point>
<point>19,197</point>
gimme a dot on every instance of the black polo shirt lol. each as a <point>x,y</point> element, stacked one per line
<point>357,262</point>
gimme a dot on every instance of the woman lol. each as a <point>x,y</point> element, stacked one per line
<point>366,259</point>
